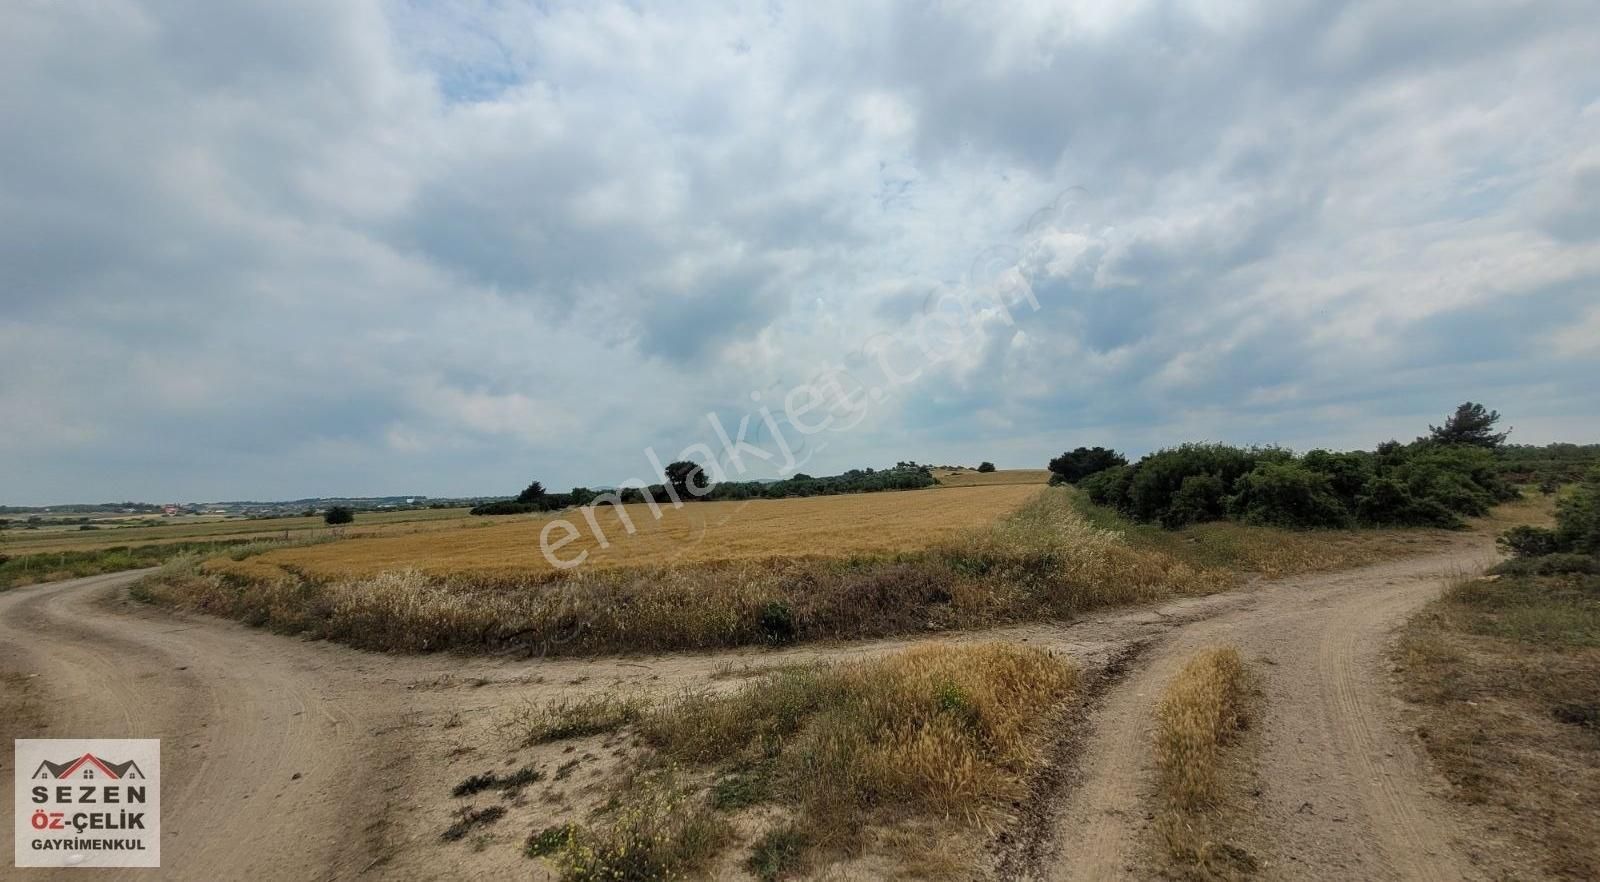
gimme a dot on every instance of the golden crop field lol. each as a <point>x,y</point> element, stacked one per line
<point>866,523</point>
<point>200,529</point>
<point>975,478</point>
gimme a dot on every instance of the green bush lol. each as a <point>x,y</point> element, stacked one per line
<point>1425,484</point>
<point>1109,488</point>
<point>777,622</point>
<point>1199,498</point>
<point>1158,477</point>
<point>1578,516</point>
<point>986,466</point>
<point>1559,564</point>
<point>1287,494</point>
<point>1387,502</point>
<point>339,514</point>
<point>1526,541</point>
<point>1348,474</point>
<point>1075,465</point>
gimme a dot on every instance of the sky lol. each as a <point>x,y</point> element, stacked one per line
<point>267,250</point>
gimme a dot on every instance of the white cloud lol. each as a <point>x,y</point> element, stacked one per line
<point>333,247</point>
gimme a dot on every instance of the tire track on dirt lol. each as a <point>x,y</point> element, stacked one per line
<point>249,789</point>
<point>1344,791</point>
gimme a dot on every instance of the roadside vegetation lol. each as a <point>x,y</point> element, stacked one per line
<point>1272,552</point>
<point>1505,673</point>
<point>806,766</point>
<point>1437,481</point>
<point>1199,719</point>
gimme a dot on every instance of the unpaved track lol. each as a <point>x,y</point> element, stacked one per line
<point>237,718</point>
<point>1343,791</point>
<point>242,712</point>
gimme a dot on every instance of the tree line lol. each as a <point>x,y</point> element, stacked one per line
<point>688,481</point>
<point>1458,470</point>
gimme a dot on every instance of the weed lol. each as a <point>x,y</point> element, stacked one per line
<point>777,854</point>
<point>745,786</point>
<point>489,780</point>
<point>662,832</point>
<point>562,718</point>
<point>549,840</point>
<point>468,818</point>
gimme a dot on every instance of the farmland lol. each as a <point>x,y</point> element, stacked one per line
<point>111,532</point>
<point>863,524</point>
<point>975,478</point>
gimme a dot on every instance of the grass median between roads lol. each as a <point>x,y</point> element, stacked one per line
<point>806,766</point>
<point>1045,560</point>
<point>1201,714</point>
<point>1505,673</point>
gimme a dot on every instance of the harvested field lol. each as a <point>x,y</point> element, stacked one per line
<point>701,532</point>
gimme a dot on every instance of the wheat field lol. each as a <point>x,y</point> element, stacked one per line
<point>836,526</point>
<point>975,478</point>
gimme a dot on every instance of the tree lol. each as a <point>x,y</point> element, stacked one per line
<point>1075,465</point>
<point>688,479</point>
<point>1470,424</point>
<point>338,514</point>
<point>533,493</point>
<point>985,466</point>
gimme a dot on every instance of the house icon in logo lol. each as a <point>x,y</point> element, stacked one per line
<point>88,768</point>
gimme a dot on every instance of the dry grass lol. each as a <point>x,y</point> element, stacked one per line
<point>939,739</point>
<point>1505,674</point>
<point>659,829</point>
<point>1202,708</point>
<point>697,533</point>
<point>566,717</point>
<point>1043,561</point>
<point>1201,713</point>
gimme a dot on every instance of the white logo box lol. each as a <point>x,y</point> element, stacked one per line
<point>88,802</point>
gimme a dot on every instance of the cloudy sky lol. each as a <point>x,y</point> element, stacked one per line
<point>268,250</point>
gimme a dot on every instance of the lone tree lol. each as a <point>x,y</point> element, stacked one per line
<point>338,514</point>
<point>688,479</point>
<point>985,466</point>
<point>534,493</point>
<point>1075,465</point>
<point>1470,424</point>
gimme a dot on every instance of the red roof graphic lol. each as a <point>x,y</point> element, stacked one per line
<point>111,771</point>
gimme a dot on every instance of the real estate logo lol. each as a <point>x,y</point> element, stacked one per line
<point>88,802</point>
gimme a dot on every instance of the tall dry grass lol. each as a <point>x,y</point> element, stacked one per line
<point>1201,710</point>
<point>940,735</point>
<point>1045,560</point>
<point>1200,714</point>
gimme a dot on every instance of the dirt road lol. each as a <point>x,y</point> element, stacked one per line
<point>284,759</point>
<point>1340,791</point>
